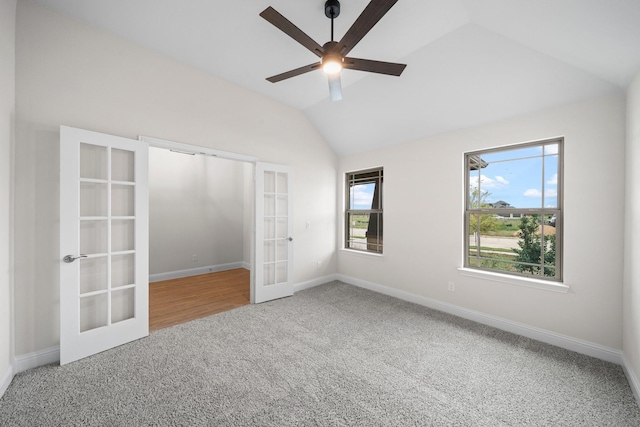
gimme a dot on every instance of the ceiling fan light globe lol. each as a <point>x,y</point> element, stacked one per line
<point>331,63</point>
<point>331,67</point>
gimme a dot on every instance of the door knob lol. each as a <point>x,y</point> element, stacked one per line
<point>71,258</point>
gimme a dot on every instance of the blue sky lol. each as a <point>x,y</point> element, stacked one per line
<point>362,196</point>
<point>516,177</point>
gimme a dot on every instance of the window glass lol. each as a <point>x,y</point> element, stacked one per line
<point>513,213</point>
<point>362,196</point>
<point>363,221</point>
<point>503,180</point>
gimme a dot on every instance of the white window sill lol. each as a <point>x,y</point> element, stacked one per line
<point>362,253</point>
<point>514,280</point>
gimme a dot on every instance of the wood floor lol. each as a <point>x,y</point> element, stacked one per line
<point>176,301</point>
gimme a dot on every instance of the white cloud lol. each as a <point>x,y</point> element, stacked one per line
<point>551,149</point>
<point>488,183</point>
<point>532,192</point>
<point>553,180</point>
<point>361,196</point>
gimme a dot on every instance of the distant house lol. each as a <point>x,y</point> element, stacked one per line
<point>501,204</point>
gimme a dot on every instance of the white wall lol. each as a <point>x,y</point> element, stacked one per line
<point>423,202</point>
<point>71,74</point>
<point>7,112</point>
<point>631,296</point>
<point>196,207</point>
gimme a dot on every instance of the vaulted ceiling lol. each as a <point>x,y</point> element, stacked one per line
<point>469,61</point>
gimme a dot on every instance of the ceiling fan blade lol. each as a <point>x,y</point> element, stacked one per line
<point>335,87</point>
<point>286,26</point>
<point>367,19</point>
<point>390,68</point>
<point>293,73</point>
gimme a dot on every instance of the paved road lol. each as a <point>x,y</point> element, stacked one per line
<point>499,242</point>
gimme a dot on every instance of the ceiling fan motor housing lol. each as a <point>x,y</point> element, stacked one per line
<point>331,56</point>
<point>332,8</point>
<point>331,46</point>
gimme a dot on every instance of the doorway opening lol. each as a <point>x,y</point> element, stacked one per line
<point>200,216</point>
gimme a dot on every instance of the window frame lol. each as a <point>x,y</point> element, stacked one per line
<point>474,158</point>
<point>350,180</point>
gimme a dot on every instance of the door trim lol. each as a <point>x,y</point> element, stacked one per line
<point>195,149</point>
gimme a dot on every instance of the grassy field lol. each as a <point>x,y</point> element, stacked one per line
<point>507,227</point>
<point>359,221</point>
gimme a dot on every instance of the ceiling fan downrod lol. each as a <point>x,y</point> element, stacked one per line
<point>331,11</point>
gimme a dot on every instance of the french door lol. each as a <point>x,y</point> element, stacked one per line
<point>274,230</point>
<point>104,241</point>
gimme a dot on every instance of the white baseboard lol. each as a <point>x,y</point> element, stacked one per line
<point>314,282</point>
<point>6,379</point>
<point>632,378</point>
<point>37,358</point>
<point>196,271</point>
<point>574,344</point>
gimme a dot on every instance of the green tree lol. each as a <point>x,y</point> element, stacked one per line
<point>530,246</point>
<point>485,222</point>
<point>550,256</point>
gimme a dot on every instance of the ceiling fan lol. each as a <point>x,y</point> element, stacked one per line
<point>333,55</point>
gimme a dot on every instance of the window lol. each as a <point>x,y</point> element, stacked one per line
<point>513,210</point>
<point>363,220</point>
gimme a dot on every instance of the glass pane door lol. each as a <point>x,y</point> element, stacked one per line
<point>274,228</point>
<point>107,223</point>
<point>103,242</point>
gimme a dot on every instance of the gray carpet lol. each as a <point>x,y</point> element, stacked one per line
<point>334,355</point>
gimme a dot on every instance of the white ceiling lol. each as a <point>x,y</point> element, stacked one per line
<point>469,61</point>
